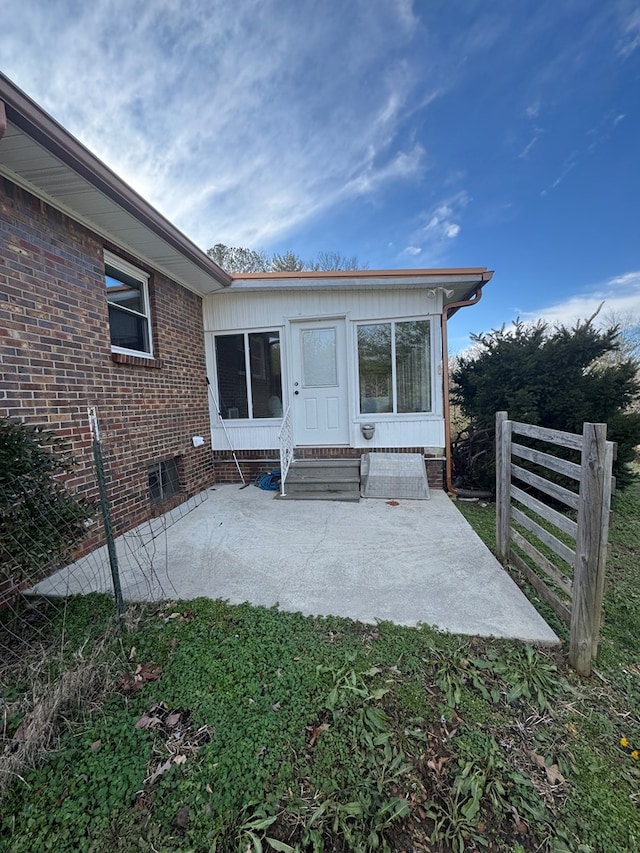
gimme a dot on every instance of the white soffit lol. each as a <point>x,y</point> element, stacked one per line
<point>25,162</point>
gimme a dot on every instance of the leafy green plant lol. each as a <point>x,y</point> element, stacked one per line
<point>41,521</point>
<point>555,377</point>
<point>527,672</point>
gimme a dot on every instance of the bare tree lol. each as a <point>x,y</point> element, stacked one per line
<point>288,262</point>
<point>336,261</point>
<point>238,259</point>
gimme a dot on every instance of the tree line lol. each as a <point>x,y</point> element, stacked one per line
<point>238,259</point>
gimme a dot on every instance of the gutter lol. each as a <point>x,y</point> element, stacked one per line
<point>472,299</point>
<point>3,119</point>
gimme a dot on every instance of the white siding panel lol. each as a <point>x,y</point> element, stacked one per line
<point>395,433</point>
<point>229,311</point>
<point>246,437</point>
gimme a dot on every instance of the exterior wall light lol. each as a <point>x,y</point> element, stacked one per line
<point>367,431</point>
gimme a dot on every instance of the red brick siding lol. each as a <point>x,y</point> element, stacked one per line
<point>55,357</point>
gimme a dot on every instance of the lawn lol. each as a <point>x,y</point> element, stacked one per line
<point>212,727</point>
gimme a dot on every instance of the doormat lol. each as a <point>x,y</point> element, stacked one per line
<point>394,475</point>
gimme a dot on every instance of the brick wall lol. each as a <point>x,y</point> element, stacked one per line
<point>55,357</point>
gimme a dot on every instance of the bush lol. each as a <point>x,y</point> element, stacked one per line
<point>554,377</point>
<point>41,521</point>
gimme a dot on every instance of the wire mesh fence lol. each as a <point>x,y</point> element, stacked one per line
<point>60,558</point>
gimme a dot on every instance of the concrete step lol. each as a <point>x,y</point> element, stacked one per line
<point>323,475</point>
<point>329,463</point>
<point>324,479</point>
<point>349,496</point>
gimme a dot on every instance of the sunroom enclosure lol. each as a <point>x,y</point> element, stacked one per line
<point>339,352</point>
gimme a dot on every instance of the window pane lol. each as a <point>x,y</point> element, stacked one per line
<point>124,290</point>
<point>155,485</point>
<point>319,358</point>
<point>129,331</point>
<point>232,376</point>
<point>266,383</point>
<point>170,479</point>
<point>164,481</point>
<point>374,368</point>
<point>413,366</point>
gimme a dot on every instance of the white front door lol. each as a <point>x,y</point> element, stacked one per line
<point>319,376</point>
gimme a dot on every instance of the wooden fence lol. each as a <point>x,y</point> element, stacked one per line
<point>572,585</point>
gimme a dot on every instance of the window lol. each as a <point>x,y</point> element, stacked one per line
<point>249,375</point>
<point>128,298</point>
<point>394,367</point>
<point>164,481</point>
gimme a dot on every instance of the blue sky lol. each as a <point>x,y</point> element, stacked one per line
<point>411,133</point>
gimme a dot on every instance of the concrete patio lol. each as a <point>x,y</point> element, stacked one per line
<point>419,561</point>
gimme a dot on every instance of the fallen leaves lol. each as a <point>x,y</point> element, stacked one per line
<point>437,764</point>
<point>157,773</point>
<point>520,825</point>
<point>180,740</point>
<point>181,616</point>
<point>144,672</point>
<point>552,771</point>
<point>316,731</point>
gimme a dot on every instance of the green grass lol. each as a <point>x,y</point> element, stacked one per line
<point>282,732</point>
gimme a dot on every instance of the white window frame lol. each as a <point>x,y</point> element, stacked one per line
<point>393,322</point>
<point>251,419</point>
<point>143,277</point>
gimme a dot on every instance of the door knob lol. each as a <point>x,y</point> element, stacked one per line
<point>296,392</point>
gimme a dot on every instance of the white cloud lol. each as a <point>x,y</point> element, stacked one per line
<point>533,110</point>
<point>619,296</point>
<point>568,166</point>
<point>630,42</point>
<point>536,136</point>
<point>443,218</point>
<point>222,114</point>
<point>441,225</point>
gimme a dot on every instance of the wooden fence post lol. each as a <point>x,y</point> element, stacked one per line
<point>604,543</point>
<point>591,550</point>
<point>503,486</point>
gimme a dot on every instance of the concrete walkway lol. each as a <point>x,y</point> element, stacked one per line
<point>419,561</point>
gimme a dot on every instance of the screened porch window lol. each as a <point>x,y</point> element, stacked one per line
<point>249,376</point>
<point>394,367</point>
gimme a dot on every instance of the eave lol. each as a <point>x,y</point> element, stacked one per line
<point>457,284</point>
<point>39,155</point>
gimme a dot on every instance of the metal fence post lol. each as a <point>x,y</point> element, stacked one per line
<point>104,507</point>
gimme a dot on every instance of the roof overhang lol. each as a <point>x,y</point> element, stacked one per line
<point>39,155</point>
<point>457,285</point>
